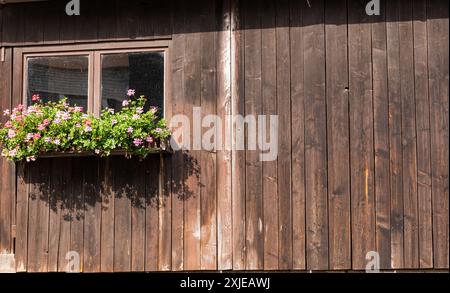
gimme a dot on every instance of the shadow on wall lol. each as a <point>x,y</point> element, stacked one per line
<point>71,186</point>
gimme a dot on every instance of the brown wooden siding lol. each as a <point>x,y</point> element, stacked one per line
<point>363,153</point>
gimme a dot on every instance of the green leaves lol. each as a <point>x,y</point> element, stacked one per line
<point>52,127</point>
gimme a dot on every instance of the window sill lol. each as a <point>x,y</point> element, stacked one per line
<point>92,154</point>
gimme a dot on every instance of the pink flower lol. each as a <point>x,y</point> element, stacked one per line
<point>111,111</point>
<point>139,110</point>
<point>32,158</point>
<point>19,107</point>
<point>158,130</point>
<point>29,137</point>
<point>88,129</point>
<point>131,92</point>
<point>149,139</point>
<point>114,122</point>
<point>153,110</point>
<point>11,133</point>
<point>78,109</point>
<point>57,142</point>
<point>6,112</point>
<point>78,125</point>
<point>8,124</point>
<point>35,98</point>
<point>135,117</point>
<point>36,136</point>
<point>65,116</point>
<point>19,118</point>
<point>46,122</point>
<point>13,153</point>
<point>97,152</point>
<point>48,140</point>
<point>57,121</point>
<point>87,122</point>
<point>41,127</point>
<point>137,141</point>
<point>130,130</point>
<point>125,103</point>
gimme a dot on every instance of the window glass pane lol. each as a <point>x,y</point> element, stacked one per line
<point>60,76</point>
<point>141,71</point>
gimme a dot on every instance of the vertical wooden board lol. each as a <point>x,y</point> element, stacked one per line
<point>77,209</point>
<point>13,25</point>
<point>87,22</point>
<point>338,135</point>
<point>163,14</point>
<point>237,156</point>
<point>395,133</point>
<point>7,170</point>
<point>381,140</point>
<point>284,138</point>
<point>361,135</point>
<point>438,67</point>
<point>192,89</point>
<point>67,31</point>
<point>298,137</point>
<point>66,215</point>
<point>165,215</point>
<point>315,137</point>
<point>151,213</point>
<point>146,14</point>
<point>34,15</point>
<point>55,209</point>
<point>93,216</point>
<point>138,200</point>
<point>38,216</point>
<point>126,24</point>
<point>177,102</point>
<point>22,219</point>
<point>51,23</point>
<point>269,107</point>
<point>224,175</point>
<point>253,170</point>
<point>409,160</point>
<point>423,134</point>
<point>107,24</point>
<point>107,193</point>
<point>121,167</point>
<point>208,210</point>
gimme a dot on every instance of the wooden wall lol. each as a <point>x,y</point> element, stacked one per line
<point>363,143</point>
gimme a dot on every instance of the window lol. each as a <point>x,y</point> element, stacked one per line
<point>98,76</point>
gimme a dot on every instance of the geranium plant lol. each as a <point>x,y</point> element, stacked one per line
<point>57,127</point>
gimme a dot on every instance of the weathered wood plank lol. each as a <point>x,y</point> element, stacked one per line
<point>238,157</point>
<point>423,134</point>
<point>315,137</point>
<point>409,160</point>
<point>208,211</point>
<point>269,107</point>
<point>93,215</point>
<point>224,171</point>
<point>361,135</point>
<point>338,139</point>
<point>38,216</point>
<point>21,252</point>
<point>165,215</point>
<point>67,207</point>
<point>7,170</point>
<point>395,138</point>
<point>177,100</point>
<point>438,67</point>
<point>55,210</point>
<point>298,136</point>
<point>192,94</point>
<point>284,139</point>
<point>122,215</point>
<point>107,194</point>
<point>138,202</point>
<point>253,169</point>
<point>78,211</point>
<point>381,140</point>
<point>151,213</point>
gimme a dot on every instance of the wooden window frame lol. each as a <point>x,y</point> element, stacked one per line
<point>94,52</point>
